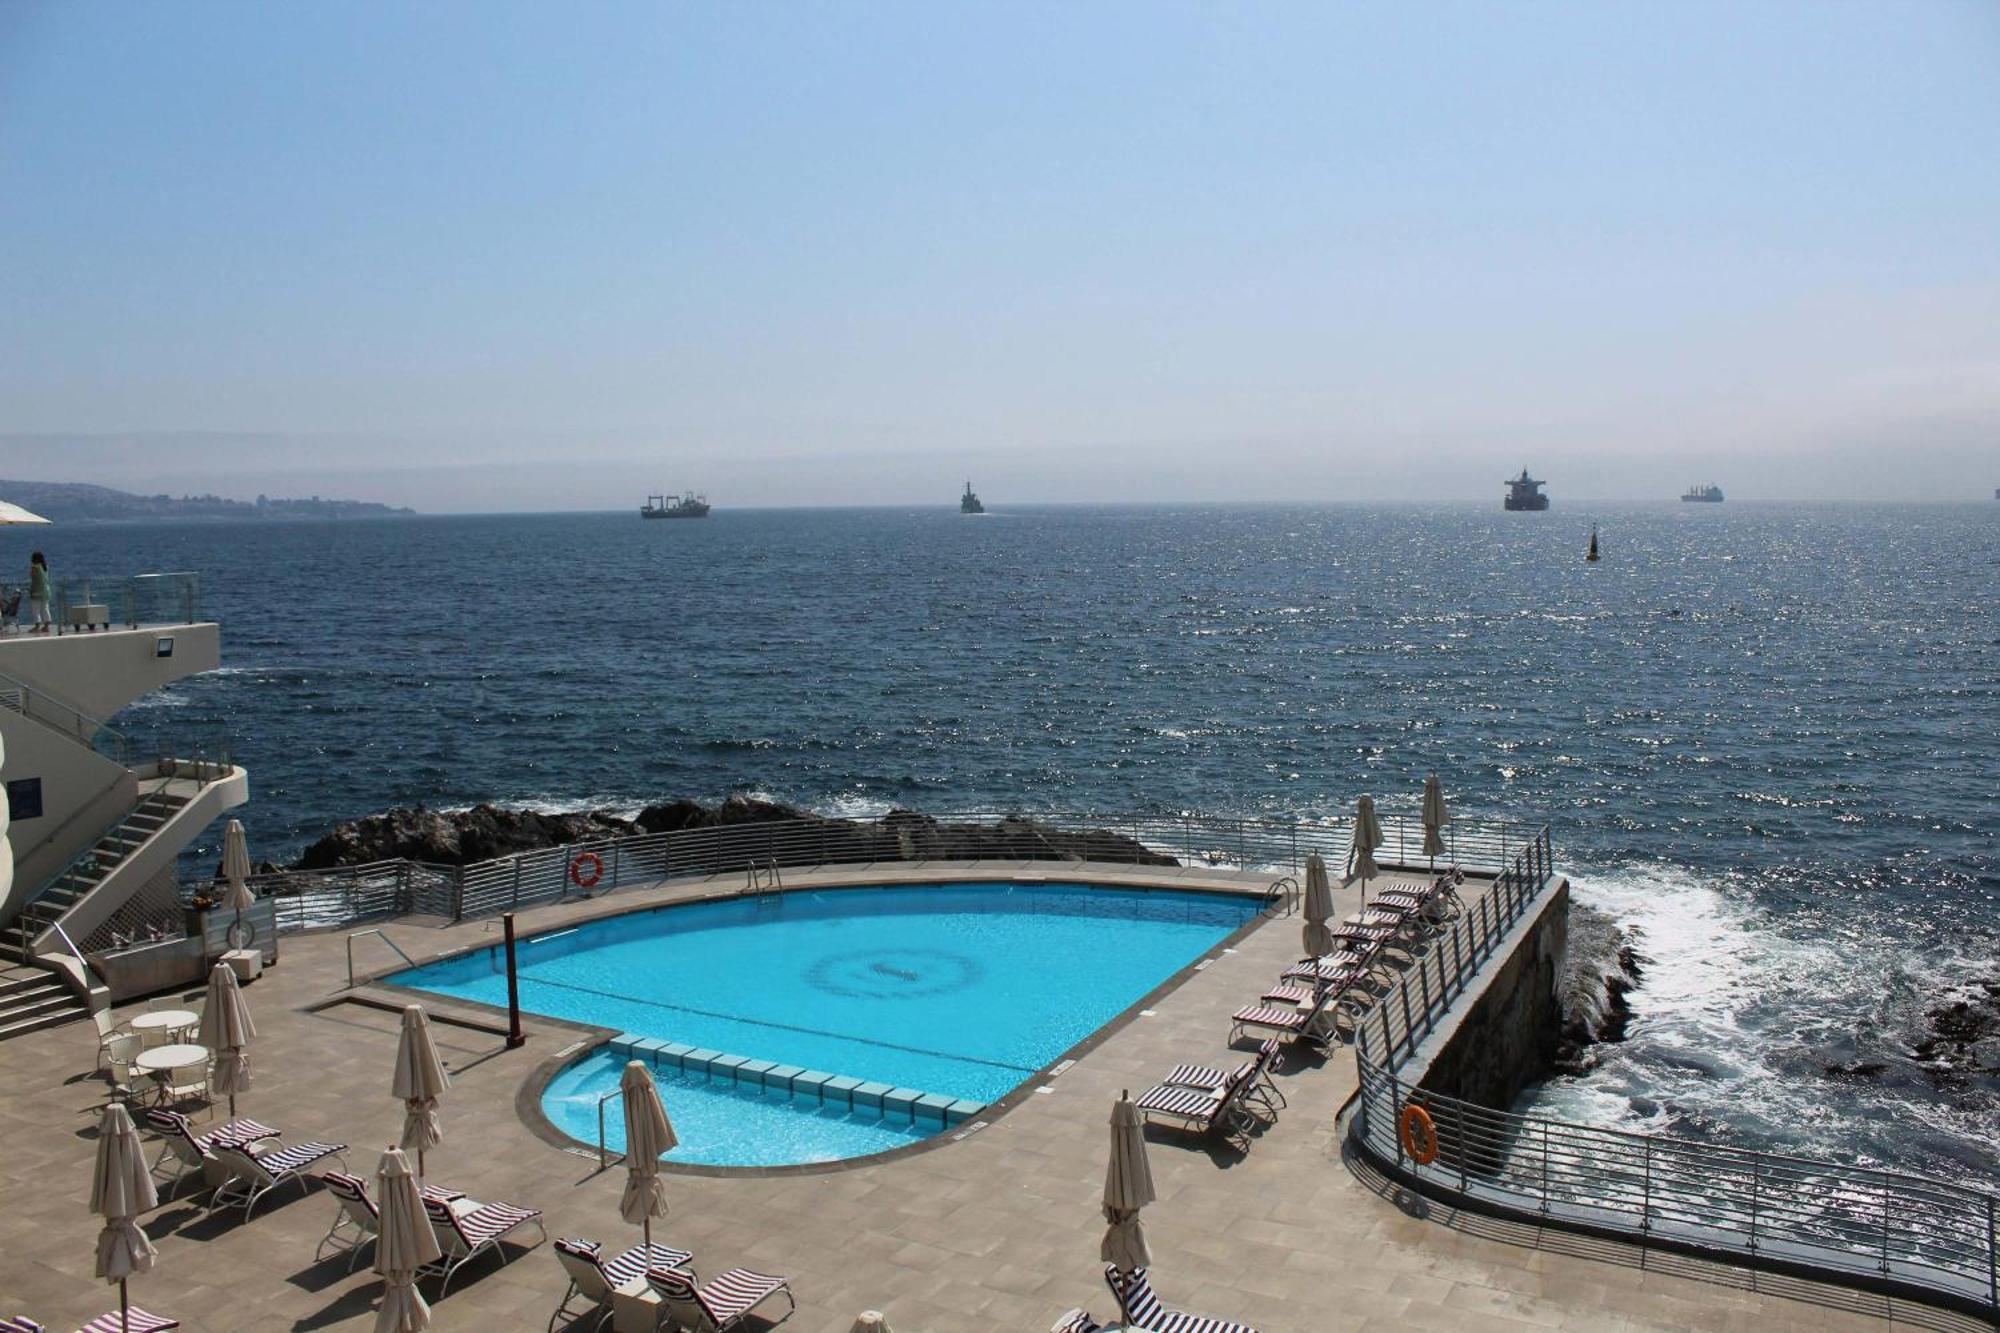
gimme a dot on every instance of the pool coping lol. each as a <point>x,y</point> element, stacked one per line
<point>528,1097</point>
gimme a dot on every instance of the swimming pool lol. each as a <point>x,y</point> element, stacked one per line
<point>954,993</point>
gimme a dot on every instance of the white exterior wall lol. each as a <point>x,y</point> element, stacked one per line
<point>100,673</point>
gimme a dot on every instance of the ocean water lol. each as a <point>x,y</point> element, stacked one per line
<point>962,990</point>
<point>1766,737</point>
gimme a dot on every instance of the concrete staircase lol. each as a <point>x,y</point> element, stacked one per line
<point>87,871</point>
<point>33,998</point>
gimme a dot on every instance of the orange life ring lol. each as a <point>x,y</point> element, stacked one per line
<point>1420,1135</point>
<point>595,867</point>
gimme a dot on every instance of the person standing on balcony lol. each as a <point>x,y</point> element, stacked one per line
<point>38,591</point>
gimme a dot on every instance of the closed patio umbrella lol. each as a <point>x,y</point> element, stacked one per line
<point>871,1321</point>
<point>121,1188</point>
<point>404,1243</point>
<point>648,1133</point>
<point>1435,818</point>
<point>236,869</point>
<point>1319,907</point>
<point>420,1081</point>
<point>1128,1187</point>
<point>1367,841</point>
<point>226,1029</point>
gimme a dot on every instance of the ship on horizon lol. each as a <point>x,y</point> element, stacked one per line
<point>969,502</point>
<point>1525,493</point>
<point>675,506</point>
<point>1710,494</point>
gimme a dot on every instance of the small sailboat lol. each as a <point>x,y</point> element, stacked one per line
<point>1591,555</point>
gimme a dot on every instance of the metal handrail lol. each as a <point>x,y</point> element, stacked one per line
<point>1284,892</point>
<point>379,933</point>
<point>88,971</point>
<point>603,1149</point>
<point>73,722</point>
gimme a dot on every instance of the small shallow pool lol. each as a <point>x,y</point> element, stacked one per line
<point>951,993</point>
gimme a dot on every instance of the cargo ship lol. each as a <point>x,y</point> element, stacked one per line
<point>969,503</point>
<point>1525,493</point>
<point>1707,495</point>
<point>675,506</point>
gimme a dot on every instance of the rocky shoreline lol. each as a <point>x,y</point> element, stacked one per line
<point>461,837</point>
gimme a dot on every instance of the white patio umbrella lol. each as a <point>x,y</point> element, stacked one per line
<point>121,1188</point>
<point>404,1243</point>
<point>1319,907</point>
<point>13,513</point>
<point>236,869</point>
<point>226,1029</point>
<point>420,1081</point>
<point>648,1133</point>
<point>1128,1187</point>
<point>871,1321</point>
<point>1367,841</point>
<point>1435,818</point>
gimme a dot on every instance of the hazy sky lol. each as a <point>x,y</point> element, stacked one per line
<point>487,256</point>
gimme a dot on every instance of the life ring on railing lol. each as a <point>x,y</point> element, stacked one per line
<point>586,870</point>
<point>1420,1135</point>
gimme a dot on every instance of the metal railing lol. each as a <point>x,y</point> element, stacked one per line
<point>64,718</point>
<point>338,896</point>
<point>604,1153</point>
<point>1848,1223</point>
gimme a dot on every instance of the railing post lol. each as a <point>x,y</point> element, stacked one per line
<point>1545,1166</point>
<point>516,901</point>
<point>1646,1188</point>
<point>1992,1257</point>
<point>1388,1046</point>
<point>1755,1175</point>
<point>1409,1028</point>
<point>1885,1228</point>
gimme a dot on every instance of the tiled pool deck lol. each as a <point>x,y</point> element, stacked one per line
<point>995,1232</point>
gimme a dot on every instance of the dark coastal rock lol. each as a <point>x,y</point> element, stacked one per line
<point>737,832</point>
<point>1602,968</point>
<point>1963,1044</point>
<point>455,837</point>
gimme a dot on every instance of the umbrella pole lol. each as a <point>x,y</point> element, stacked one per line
<point>420,1164</point>
<point>124,1308</point>
<point>648,1232</point>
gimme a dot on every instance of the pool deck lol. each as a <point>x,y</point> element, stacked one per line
<point>998,1231</point>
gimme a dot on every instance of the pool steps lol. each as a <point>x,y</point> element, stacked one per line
<point>911,1105</point>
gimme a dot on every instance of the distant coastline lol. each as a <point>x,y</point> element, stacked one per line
<point>81,502</point>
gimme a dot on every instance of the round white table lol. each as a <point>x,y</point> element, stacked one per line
<point>163,1058</point>
<point>163,1021</point>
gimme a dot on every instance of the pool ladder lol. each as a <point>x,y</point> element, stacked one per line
<point>1282,898</point>
<point>764,881</point>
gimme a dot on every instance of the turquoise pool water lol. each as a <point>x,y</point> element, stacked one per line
<point>958,990</point>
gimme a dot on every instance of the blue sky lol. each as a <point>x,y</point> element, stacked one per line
<point>496,256</point>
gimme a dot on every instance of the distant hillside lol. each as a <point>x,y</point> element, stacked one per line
<point>79,502</point>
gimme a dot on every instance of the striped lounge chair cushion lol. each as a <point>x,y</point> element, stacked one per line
<point>350,1187</point>
<point>1191,1103</point>
<point>295,1156</point>
<point>20,1323</point>
<point>488,1220</point>
<point>1142,1307</point>
<point>1335,970</point>
<point>636,1262</point>
<point>235,1134</point>
<point>1075,1321</point>
<point>1196,1076</point>
<point>728,1296</point>
<point>1285,1017</point>
<point>136,1320</point>
<point>1291,993</point>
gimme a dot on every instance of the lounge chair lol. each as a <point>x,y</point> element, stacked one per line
<point>1341,966</point>
<point>1142,1309</point>
<point>1208,1079</point>
<point>185,1151</point>
<point>358,1220</point>
<point>593,1278</point>
<point>1203,1111</point>
<point>464,1236</point>
<point>20,1323</point>
<point>722,1302</point>
<point>1313,1023</point>
<point>252,1170</point>
<point>135,1320</point>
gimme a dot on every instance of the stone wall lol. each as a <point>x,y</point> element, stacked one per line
<point>1510,1037</point>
